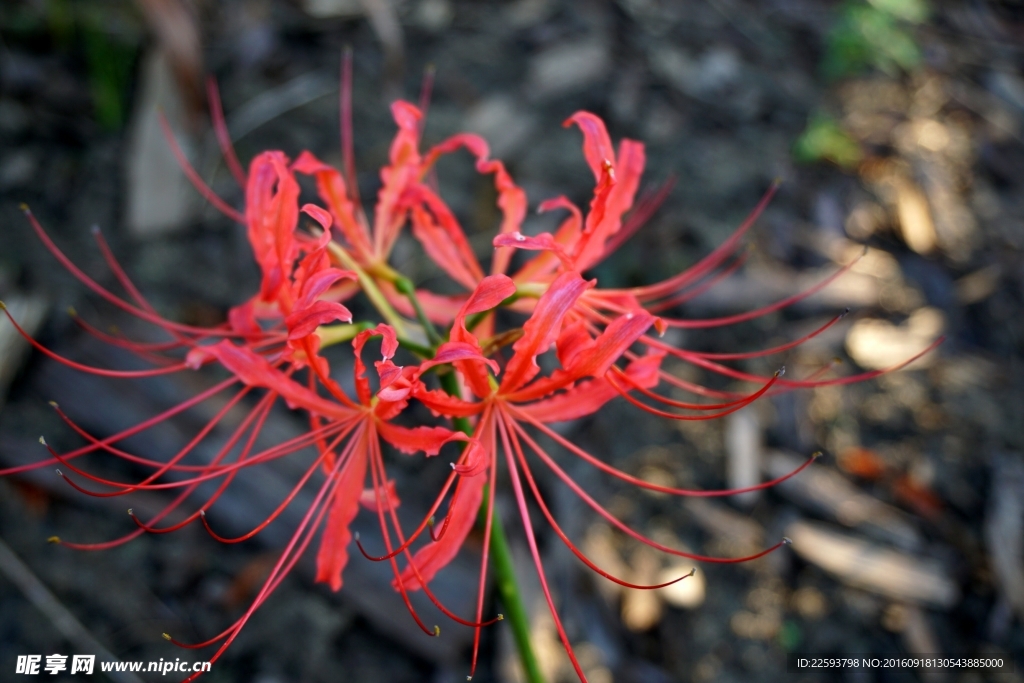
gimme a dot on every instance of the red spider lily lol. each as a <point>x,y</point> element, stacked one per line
<point>601,337</point>
<point>505,402</point>
<point>296,274</point>
<point>581,243</point>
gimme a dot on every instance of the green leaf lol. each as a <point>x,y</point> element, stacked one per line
<point>913,11</point>
<point>825,140</point>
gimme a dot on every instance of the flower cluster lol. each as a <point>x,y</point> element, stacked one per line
<point>484,381</point>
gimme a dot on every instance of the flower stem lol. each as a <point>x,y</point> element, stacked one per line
<point>405,286</point>
<point>370,288</point>
<point>505,581</point>
<point>504,570</point>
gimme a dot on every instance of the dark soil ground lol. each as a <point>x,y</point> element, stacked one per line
<point>913,542</point>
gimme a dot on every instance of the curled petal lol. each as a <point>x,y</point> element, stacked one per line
<point>271,213</point>
<point>254,370</point>
<point>597,146</point>
<point>397,177</point>
<point>474,462</point>
<point>628,169</point>
<point>452,352</point>
<point>587,397</point>
<point>542,242</point>
<point>330,186</point>
<point>542,329</point>
<point>490,292</point>
<point>333,554</point>
<point>431,558</point>
<point>317,214</point>
<point>441,403</point>
<point>305,321</point>
<point>318,283</point>
<point>426,439</point>
<point>388,348</point>
<point>591,358</point>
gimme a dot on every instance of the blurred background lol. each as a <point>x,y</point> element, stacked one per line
<point>894,125</point>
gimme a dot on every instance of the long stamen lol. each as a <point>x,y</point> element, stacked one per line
<point>385,532</point>
<point>123,374</point>
<point>709,262</point>
<point>156,518</point>
<point>775,349</point>
<point>289,557</point>
<point>691,324</point>
<point>377,465</point>
<point>142,426</point>
<point>425,91</point>
<point>698,289</point>
<point>641,213</point>
<point>732,373</point>
<point>630,479</point>
<point>624,393</point>
<point>145,483</point>
<point>259,414</point>
<point>77,272</point>
<point>558,530</point>
<point>220,128</point>
<point>485,553</point>
<point>145,350</point>
<point>531,541</point>
<point>618,524</point>
<point>284,503</point>
<point>424,525</point>
<point>194,177</point>
<point>208,472</point>
<point>345,106</point>
<point>686,405</point>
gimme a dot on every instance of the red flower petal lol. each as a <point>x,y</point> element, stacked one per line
<point>586,398</point>
<point>304,322</point>
<point>452,352</point>
<point>441,403</point>
<point>330,186</point>
<point>432,558</point>
<point>317,214</point>
<point>443,239</point>
<point>418,439</point>
<point>542,329</point>
<point>254,370</point>
<point>272,212</point>
<point>333,554</point>
<point>396,178</point>
<point>545,241</point>
<point>597,146</point>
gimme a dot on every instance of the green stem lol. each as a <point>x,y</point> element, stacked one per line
<point>501,560</point>
<point>505,581</point>
<point>371,290</point>
<point>342,332</point>
<point>406,287</point>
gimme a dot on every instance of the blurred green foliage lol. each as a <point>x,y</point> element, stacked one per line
<point>867,34</point>
<point>825,140</point>
<point>110,63</point>
<point>874,34</point>
<point>105,35</point>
